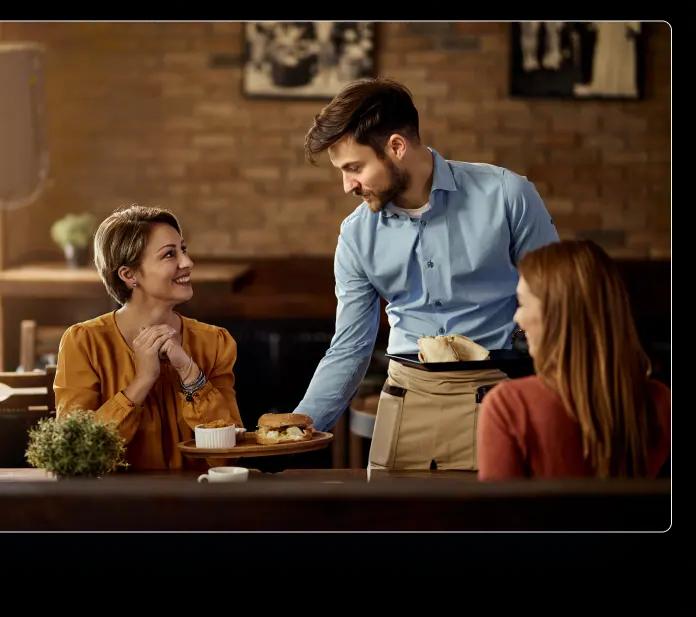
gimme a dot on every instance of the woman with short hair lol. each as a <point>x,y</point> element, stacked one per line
<point>152,371</point>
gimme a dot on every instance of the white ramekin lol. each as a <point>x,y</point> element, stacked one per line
<point>224,437</point>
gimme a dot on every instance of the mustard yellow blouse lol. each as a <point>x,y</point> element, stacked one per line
<point>95,363</point>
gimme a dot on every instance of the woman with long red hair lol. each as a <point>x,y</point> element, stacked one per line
<point>591,409</point>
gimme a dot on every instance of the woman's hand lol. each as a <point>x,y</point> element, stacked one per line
<point>147,347</point>
<point>180,360</point>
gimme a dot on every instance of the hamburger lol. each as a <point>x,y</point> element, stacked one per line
<point>284,428</point>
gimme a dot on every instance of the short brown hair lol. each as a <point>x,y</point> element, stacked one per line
<point>369,109</point>
<point>120,241</point>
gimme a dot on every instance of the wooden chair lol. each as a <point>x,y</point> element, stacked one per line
<point>353,431</point>
<point>363,412</point>
<point>36,341</point>
<point>25,398</point>
<point>28,390</point>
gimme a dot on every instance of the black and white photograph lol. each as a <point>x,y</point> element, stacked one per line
<point>558,59</point>
<point>306,59</point>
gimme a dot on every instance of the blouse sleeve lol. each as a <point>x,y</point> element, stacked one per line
<point>217,398</point>
<point>77,386</point>
<point>499,455</point>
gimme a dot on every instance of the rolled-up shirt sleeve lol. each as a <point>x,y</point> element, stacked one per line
<point>345,363</point>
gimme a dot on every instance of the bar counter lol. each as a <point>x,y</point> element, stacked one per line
<point>328,500</point>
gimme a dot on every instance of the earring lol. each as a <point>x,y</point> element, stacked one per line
<point>134,284</point>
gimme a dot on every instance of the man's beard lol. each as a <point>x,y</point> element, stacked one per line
<point>399,181</point>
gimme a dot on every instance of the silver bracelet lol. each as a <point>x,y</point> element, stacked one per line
<point>190,389</point>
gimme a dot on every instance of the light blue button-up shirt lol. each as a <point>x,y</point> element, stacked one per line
<point>451,272</point>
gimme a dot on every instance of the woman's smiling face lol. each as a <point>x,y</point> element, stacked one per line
<point>164,272</point>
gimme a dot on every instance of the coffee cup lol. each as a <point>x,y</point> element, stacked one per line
<point>225,474</point>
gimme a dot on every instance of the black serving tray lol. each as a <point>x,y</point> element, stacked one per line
<point>510,361</point>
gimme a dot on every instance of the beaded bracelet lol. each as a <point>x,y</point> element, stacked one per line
<point>190,389</point>
<point>128,401</point>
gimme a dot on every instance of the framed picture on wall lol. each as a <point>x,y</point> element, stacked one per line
<point>577,60</point>
<point>310,59</point>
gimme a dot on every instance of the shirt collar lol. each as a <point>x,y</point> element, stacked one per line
<point>443,180</point>
<point>442,174</point>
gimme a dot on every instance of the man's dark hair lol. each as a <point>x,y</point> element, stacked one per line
<point>370,110</point>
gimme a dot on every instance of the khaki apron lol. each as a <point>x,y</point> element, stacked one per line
<point>427,418</point>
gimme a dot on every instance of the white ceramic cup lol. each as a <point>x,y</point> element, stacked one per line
<point>225,474</point>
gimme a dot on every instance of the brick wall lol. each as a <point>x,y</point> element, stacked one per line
<point>146,112</point>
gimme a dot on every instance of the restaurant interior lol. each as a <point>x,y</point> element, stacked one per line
<point>201,119</point>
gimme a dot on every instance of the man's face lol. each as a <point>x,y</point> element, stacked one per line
<point>377,180</point>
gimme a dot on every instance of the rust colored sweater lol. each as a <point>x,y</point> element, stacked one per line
<point>95,363</point>
<point>524,431</point>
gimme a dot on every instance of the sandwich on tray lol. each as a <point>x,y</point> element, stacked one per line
<point>284,428</point>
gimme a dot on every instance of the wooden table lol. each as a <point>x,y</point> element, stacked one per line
<point>330,500</point>
<point>328,476</point>
<point>42,281</point>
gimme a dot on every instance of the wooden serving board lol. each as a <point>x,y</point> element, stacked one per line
<point>247,446</point>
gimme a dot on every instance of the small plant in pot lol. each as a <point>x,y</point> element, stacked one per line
<point>73,234</point>
<point>78,445</point>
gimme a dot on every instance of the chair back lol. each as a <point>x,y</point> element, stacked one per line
<point>362,415</point>
<point>37,341</point>
<point>28,390</point>
<point>25,398</point>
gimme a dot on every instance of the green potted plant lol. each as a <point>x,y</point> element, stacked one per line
<point>73,234</point>
<point>77,445</point>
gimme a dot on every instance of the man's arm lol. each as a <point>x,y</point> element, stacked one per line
<point>343,367</point>
<point>531,225</point>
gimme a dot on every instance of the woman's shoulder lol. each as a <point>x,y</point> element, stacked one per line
<point>200,329</point>
<point>661,394</point>
<point>91,336</point>
<point>528,395</point>
<point>658,388</point>
<point>102,323</point>
<point>521,387</point>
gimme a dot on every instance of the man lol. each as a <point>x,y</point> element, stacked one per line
<point>438,240</point>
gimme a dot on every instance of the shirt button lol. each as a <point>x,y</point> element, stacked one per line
<point>438,303</point>
<point>441,331</point>
<point>430,264</point>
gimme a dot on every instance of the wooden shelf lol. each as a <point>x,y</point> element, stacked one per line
<point>56,280</point>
